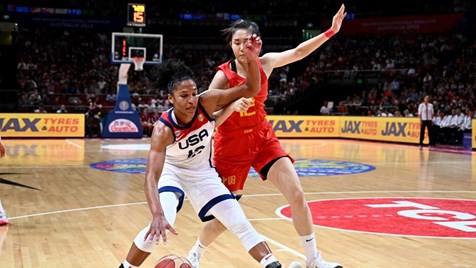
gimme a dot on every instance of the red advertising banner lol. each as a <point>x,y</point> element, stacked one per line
<point>418,24</point>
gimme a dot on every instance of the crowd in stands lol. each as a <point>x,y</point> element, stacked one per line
<point>66,70</point>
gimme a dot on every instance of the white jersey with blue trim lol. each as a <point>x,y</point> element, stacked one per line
<point>192,147</point>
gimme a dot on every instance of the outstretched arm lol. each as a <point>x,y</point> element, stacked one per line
<point>213,98</point>
<point>278,59</point>
<point>161,137</point>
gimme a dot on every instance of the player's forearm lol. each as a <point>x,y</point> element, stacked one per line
<point>222,115</point>
<point>253,80</point>
<point>152,196</point>
<point>308,46</point>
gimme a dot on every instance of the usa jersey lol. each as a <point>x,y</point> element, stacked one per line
<point>192,147</point>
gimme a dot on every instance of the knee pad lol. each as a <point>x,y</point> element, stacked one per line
<point>230,214</point>
<point>144,245</point>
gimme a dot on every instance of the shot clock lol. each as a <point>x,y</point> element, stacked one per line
<point>136,15</point>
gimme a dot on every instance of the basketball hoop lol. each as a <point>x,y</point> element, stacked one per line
<point>138,63</point>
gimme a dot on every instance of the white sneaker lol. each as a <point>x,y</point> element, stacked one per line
<point>295,264</point>
<point>194,259</point>
<point>320,263</point>
<point>3,217</point>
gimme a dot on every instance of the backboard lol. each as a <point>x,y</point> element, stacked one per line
<point>125,46</point>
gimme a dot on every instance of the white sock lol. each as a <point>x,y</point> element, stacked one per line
<point>199,248</point>
<point>310,247</point>
<point>267,260</point>
<point>128,265</point>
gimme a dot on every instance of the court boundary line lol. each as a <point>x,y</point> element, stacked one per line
<point>244,196</point>
<point>281,246</point>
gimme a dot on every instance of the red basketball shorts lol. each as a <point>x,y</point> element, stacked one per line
<point>235,153</point>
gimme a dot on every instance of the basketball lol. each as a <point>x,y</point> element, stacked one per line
<point>173,261</point>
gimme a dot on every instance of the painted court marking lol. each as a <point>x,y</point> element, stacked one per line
<point>281,246</point>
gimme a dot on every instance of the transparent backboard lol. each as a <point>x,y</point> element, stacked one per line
<point>125,46</point>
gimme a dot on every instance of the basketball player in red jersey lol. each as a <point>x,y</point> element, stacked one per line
<point>247,140</point>
<point>179,162</point>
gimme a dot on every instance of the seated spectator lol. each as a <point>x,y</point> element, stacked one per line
<point>467,122</point>
<point>325,109</point>
<point>381,113</point>
<point>342,109</point>
<point>62,109</point>
<point>41,109</point>
<point>437,131</point>
<point>406,113</point>
<point>111,97</point>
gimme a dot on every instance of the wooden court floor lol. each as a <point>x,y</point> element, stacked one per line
<point>65,213</point>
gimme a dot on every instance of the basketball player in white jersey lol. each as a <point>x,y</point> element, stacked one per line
<point>179,162</point>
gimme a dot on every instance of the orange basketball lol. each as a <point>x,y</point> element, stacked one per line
<point>173,261</point>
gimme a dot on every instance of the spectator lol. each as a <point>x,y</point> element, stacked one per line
<point>325,109</point>
<point>62,109</point>
<point>41,109</point>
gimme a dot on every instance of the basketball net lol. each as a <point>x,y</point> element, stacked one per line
<point>138,63</point>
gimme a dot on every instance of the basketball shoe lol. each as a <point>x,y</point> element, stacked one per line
<point>320,263</point>
<point>3,216</point>
<point>194,259</point>
<point>275,264</point>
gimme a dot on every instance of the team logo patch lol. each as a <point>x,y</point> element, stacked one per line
<point>402,216</point>
<point>315,167</point>
<point>124,105</point>
<point>133,166</point>
<point>200,117</point>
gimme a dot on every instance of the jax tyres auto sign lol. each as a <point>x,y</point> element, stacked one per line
<point>42,125</point>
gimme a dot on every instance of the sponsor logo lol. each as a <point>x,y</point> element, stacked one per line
<point>124,105</point>
<point>20,125</point>
<point>122,126</point>
<point>401,216</point>
<point>42,125</point>
<point>287,125</point>
<point>394,129</point>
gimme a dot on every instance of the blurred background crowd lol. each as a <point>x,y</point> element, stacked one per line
<point>65,68</point>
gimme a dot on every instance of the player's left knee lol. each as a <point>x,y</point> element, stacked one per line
<point>297,198</point>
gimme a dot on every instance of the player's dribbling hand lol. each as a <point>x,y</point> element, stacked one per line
<point>338,18</point>
<point>241,105</point>
<point>157,230</point>
<point>253,47</point>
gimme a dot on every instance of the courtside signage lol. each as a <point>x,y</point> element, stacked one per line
<point>304,126</point>
<point>394,129</point>
<point>397,129</point>
<point>42,125</point>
